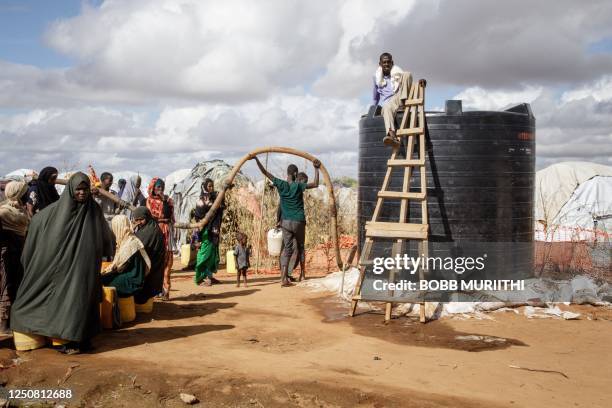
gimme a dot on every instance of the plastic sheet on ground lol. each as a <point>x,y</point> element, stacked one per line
<point>333,283</point>
<point>583,289</point>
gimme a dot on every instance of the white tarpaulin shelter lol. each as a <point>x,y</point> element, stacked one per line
<point>174,178</point>
<point>20,174</point>
<point>570,196</point>
<point>185,193</point>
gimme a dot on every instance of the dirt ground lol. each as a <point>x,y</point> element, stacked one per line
<point>267,346</point>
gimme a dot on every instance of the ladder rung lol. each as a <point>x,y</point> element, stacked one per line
<point>400,194</point>
<point>409,131</point>
<point>396,230</point>
<point>411,102</point>
<point>404,163</point>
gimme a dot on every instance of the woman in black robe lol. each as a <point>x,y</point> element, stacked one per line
<point>42,191</point>
<point>60,294</point>
<point>147,230</point>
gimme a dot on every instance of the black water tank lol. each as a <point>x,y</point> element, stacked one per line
<point>480,175</point>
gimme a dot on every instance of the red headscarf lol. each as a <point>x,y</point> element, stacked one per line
<point>155,202</point>
<point>161,207</point>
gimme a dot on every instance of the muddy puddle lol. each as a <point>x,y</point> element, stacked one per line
<point>408,330</point>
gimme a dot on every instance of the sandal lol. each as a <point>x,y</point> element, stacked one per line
<point>69,349</point>
<point>391,141</point>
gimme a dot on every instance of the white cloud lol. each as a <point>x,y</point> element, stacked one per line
<point>361,21</point>
<point>601,90</point>
<point>578,129</point>
<point>496,44</point>
<point>147,51</point>
<point>575,126</point>
<point>227,51</point>
<point>158,84</point>
<point>483,99</point>
<point>180,136</point>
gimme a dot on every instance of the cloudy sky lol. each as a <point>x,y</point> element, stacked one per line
<point>157,85</point>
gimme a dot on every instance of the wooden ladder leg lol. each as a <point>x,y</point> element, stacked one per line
<point>397,248</point>
<point>357,292</point>
<point>365,255</point>
<point>422,317</point>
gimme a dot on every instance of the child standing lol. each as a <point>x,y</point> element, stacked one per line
<point>242,254</point>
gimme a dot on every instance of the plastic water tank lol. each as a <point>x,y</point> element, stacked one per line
<point>480,176</point>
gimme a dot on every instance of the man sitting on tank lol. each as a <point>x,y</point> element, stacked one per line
<point>391,88</point>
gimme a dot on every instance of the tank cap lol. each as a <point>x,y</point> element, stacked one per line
<point>453,107</point>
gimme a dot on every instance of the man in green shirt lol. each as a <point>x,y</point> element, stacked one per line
<point>293,222</point>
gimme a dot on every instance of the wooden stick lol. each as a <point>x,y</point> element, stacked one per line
<point>537,370</point>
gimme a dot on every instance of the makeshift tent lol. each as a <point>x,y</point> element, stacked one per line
<point>186,192</point>
<point>573,201</point>
<point>174,178</point>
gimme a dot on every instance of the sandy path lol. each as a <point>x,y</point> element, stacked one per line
<point>270,346</point>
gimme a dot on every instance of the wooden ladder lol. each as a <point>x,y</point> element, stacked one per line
<point>412,127</point>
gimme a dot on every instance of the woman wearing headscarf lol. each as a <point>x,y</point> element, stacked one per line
<point>207,260</point>
<point>121,183</point>
<point>147,231</point>
<point>60,294</point>
<point>132,194</point>
<point>42,191</point>
<point>162,211</point>
<point>14,221</point>
<point>131,263</point>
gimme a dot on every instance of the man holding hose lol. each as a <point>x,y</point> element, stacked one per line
<point>293,222</point>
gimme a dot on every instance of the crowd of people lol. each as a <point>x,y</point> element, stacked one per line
<point>58,251</point>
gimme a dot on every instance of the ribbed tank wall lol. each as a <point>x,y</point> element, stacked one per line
<point>480,175</point>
